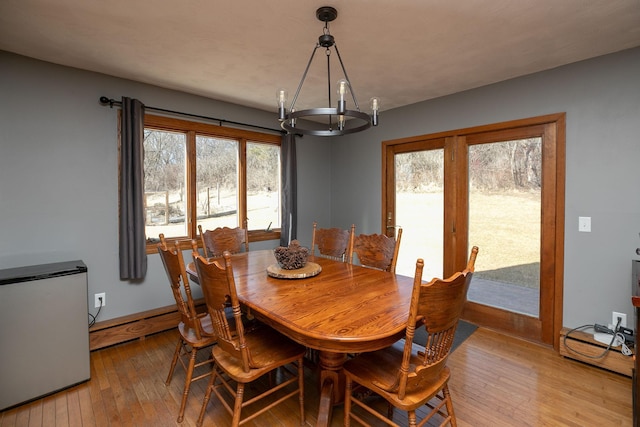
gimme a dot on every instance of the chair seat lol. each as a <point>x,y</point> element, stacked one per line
<point>269,349</point>
<point>208,336</point>
<point>378,371</point>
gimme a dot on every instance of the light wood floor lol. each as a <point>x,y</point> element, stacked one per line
<point>496,381</point>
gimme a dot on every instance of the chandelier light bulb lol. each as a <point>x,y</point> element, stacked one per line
<point>281,97</point>
<point>343,87</point>
<point>375,104</point>
<point>375,108</point>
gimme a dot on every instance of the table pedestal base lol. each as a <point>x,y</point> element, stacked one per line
<point>332,384</point>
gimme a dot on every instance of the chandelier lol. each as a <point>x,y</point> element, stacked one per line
<point>335,117</point>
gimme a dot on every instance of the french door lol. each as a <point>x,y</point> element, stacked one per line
<point>499,187</point>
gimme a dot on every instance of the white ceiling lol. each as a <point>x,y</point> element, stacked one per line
<point>242,51</point>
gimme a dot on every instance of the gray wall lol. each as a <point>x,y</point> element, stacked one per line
<point>58,174</point>
<point>58,170</point>
<point>601,98</point>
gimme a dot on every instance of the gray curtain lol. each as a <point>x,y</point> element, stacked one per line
<point>289,190</point>
<point>133,255</point>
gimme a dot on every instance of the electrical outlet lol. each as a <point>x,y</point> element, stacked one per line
<point>622,316</point>
<point>99,297</point>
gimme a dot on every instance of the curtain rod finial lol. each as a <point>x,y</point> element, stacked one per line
<point>104,101</point>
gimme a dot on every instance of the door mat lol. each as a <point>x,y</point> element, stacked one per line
<point>463,331</point>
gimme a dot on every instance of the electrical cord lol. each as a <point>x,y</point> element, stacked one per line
<point>93,318</point>
<point>606,350</point>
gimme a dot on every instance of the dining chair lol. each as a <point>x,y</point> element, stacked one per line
<point>196,331</point>
<point>409,375</point>
<point>215,242</point>
<point>242,356</point>
<point>376,250</point>
<point>333,243</point>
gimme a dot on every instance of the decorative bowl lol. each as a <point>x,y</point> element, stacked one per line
<point>291,257</point>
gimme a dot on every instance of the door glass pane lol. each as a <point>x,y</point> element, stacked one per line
<point>164,183</point>
<point>216,182</point>
<point>263,186</point>
<point>419,178</point>
<point>504,222</point>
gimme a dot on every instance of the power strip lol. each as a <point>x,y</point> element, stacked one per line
<point>627,333</point>
<point>604,338</point>
<point>602,328</point>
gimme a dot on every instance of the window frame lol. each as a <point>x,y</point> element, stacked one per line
<point>191,129</point>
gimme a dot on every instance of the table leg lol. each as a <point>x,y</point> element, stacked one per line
<point>325,411</point>
<point>332,383</point>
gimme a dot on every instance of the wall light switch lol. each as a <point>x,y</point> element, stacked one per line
<point>584,224</point>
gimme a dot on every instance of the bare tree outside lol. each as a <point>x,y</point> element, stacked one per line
<point>217,181</point>
<point>263,186</point>
<point>506,166</point>
<point>164,180</point>
<point>421,171</point>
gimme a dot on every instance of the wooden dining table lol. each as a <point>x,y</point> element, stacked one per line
<point>343,309</point>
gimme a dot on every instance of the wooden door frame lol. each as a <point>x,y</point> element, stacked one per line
<point>552,129</point>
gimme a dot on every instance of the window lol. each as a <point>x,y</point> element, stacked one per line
<point>213,176</point>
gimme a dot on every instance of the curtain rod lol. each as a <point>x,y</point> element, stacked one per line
<point>111,102</point>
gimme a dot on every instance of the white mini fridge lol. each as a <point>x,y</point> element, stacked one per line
<point>44,330</point>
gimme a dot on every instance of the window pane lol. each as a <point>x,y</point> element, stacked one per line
<point>263,186</point>
<point>419,211</point>
<point>504,222</point>
<point>216,182</point>
<point>165,183</point>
